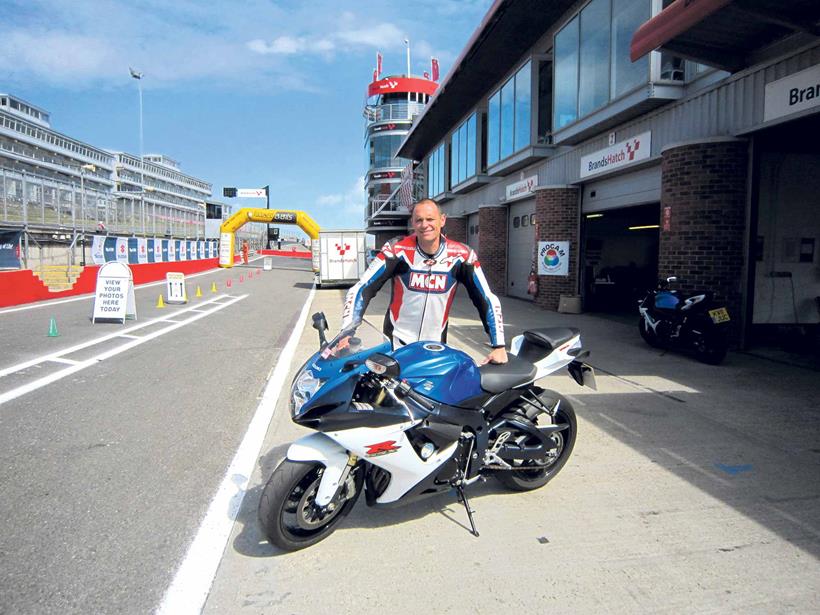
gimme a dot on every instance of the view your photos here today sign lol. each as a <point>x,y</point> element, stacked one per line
<point>114,295</point>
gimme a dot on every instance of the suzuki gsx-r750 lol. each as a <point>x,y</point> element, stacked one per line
<point>421,420</point>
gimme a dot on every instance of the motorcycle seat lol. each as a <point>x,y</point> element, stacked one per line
<point>550,337</point>
<point>497,378</point>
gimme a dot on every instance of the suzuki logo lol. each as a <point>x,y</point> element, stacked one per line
<point>341,249</point>
<point>428,281</point>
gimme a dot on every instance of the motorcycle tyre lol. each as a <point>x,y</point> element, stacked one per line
<point>650,337</point>
<point>712,351</point>
<point>524,480</point>
<point>275,496</point>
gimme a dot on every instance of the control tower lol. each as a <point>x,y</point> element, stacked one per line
<point>391,183</point>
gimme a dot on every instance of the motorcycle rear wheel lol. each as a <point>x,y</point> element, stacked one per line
<point>648,335</point>
<point>286,509</point>
<point>537,473</point>
<point>711,349</point>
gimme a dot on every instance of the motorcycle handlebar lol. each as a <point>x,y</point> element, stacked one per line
<point>403,390</point>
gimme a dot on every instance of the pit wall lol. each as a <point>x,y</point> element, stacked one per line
<point>22,286</point>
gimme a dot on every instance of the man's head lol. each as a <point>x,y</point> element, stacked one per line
<point>427,223</point>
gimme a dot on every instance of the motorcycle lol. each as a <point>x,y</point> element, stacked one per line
<point>670,318</point>
<point>405,424</point>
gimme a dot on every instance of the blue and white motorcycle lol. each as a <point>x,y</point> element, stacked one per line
<point>415,422</point>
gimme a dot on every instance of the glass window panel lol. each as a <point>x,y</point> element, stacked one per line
<point>493,127</point>
<point>523,82</point>
<point>525,220</point>
<point>593,89</point>
<point>462,152</point>
<point>507,118</point>
<point>627,16</point>
<point>532,219</point>
<point>454,158</point>
<point>566,75</point>
<point>471,145</point>
<point>516,222</point>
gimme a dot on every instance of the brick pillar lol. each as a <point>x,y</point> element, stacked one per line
<point>556,214</point>
<point>703,185</point>
<point>492,245</point>
<point>456,228</point>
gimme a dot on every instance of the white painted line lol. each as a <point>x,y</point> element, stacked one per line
<point>40,304</point>
<point>66,361</point>
<point>621,425</point>
<point>192,582</point>
<point>98,340</point>
<point>46,380</point>
<point>133,337</point>
<point>801,524</point>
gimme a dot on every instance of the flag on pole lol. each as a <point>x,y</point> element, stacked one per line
<point>375,75</point>
<point>378,64</point>
<point>434,68</point>
<point>406,186</point>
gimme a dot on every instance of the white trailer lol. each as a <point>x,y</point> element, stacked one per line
<point>339,257</point>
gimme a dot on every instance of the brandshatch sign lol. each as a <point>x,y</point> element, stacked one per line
<point>792,94</point>
<point>621,154</point>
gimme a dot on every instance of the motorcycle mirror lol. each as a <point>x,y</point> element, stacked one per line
<point>383,365</point>
<point>320,324</point>
<point>671,279</point>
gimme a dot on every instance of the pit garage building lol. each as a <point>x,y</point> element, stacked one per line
<point>641,139</point>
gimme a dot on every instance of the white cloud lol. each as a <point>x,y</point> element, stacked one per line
<point>381,36</point>
<point>350,202</point>
<point>289,45</point>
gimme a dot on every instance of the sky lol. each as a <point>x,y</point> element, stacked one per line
<point>242,94</point>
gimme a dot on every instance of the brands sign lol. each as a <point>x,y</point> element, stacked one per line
<point>553,258</point>
<point>522,188</point>
<point>251,193</point>
<point>792,94</point>
<point>621,154</point>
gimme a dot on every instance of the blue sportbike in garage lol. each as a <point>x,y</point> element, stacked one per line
<point>421,420</point>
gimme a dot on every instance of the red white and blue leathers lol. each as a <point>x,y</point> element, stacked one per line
<point>424,286</point>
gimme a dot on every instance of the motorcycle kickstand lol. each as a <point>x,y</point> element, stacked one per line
<point>462,498</point>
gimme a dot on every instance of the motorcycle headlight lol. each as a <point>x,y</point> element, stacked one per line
<point>304,387</point>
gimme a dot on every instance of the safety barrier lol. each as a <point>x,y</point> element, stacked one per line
<point>22,286</point>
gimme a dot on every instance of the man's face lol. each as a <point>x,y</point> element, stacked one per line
<point>427,222</point>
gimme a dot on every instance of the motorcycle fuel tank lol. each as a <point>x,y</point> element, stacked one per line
<point>439,372</point>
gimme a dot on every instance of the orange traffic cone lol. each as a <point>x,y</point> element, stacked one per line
<point>229,283</point>
<point>241,278</point>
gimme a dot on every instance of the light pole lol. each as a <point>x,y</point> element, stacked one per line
<point>138,76</point>
<point>83,169</point>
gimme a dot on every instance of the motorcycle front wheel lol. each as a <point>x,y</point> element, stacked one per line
<point>535,473</point>
<point>287,513</point>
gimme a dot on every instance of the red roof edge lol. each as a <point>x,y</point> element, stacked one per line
<point>675,19</point>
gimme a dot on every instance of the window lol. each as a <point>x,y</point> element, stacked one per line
<point>532,219</point>
<point>435,172</point>
<point>382,151</point>
<point>462,152</point>
<point>508,117</point>
<point>525,221</point>
<point>592,64</point>
<point>516,222</point>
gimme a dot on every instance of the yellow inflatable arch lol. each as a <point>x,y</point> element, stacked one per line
<point>228,229</point>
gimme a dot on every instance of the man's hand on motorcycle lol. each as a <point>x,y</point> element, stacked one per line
<point>497,356</point>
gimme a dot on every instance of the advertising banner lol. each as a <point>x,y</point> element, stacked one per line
<point>10,249</point>
<point>553,258</point>
<point>142,250</point>
<point>110,249</point>
<point>132,251</point>
<point>122,250</point>
<point>616,156</point>
<point>191,250</point>
<point>226,249</point>
<point>98,250</point>
<point>181,249</point>
<point>167,251</point>
<point>152,250</point>
<point>201,249</point>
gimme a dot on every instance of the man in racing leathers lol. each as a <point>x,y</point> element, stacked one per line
<point>426,268</point>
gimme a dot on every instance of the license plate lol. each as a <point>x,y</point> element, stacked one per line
<point>719,315</point>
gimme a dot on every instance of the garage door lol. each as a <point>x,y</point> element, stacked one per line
<point>521,239</point>
<point>472,232</point>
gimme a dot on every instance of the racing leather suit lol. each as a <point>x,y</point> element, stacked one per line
<point>424,287</point>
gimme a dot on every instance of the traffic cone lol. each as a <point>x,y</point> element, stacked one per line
<point>213,287</point>
<point>258,271</point>
<point>160,302</point>
<point>52,328</point>
<point>229,283</point>
<point>241,278</point>
<point>198,291</point>
<point>250,274</point>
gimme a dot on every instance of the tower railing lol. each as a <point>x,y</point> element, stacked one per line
<point>392,111</point>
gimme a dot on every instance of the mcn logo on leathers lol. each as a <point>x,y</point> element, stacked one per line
<point>428,281</point>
